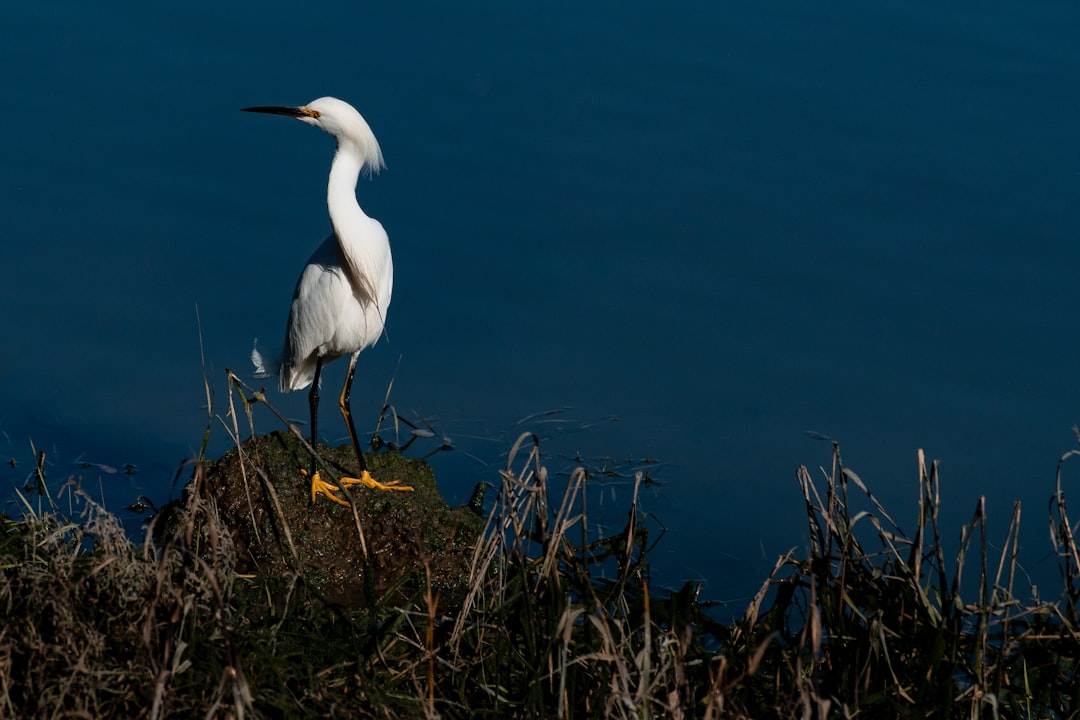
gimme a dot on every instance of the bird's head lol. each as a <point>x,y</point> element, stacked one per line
<point>339,119</point>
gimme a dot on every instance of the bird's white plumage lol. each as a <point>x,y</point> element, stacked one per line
<point>343,293</point>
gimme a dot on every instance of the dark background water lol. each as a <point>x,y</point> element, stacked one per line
<point>701,230</point>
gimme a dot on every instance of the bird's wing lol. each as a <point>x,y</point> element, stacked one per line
<point>312,318</point>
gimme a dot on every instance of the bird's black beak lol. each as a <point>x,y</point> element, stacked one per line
<point>293,112</point>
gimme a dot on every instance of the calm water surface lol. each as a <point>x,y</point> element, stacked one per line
<point>699,230</point>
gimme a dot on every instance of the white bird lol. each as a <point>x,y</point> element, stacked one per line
<point>340,302</point>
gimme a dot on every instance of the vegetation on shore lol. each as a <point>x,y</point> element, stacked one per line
<point>523,612</point>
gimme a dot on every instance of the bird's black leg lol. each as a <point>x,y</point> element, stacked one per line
<point>313,404</point>
<point>346,410</point>
<point>318,485</point>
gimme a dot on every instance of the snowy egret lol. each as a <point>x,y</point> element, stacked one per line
<point>340,302</point>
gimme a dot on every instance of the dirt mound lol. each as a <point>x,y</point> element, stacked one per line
<point>264,501</point>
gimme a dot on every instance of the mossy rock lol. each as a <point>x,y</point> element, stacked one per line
<point>408,535</point>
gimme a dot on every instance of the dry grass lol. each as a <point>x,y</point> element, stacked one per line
<point>555,621</point>
<point>894,630</point>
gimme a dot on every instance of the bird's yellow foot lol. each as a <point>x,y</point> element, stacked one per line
<point>320,486</point>
<point>366,480</point>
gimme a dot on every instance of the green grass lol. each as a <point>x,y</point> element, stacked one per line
<point>543,618</point>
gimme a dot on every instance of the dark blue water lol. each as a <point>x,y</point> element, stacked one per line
<point>700,230</point>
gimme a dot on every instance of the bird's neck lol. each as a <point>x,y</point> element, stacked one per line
<point>341,188</point>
